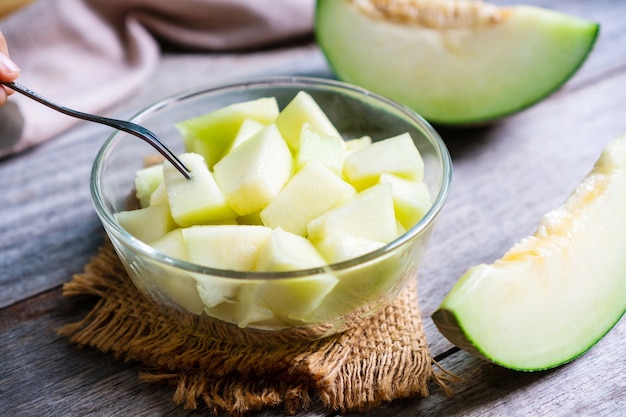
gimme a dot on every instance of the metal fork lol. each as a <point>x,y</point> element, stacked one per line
<point>123,125</point>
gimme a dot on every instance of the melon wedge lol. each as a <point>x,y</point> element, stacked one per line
<point>552,296</point>
<point>454,62</point>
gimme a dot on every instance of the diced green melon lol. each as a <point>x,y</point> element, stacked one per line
<point>397,155</point>
<point>251,219</point>
<point>148,223</point>
<point>369,215</point>
<point>353,145</point>
<point>159,195</point>
<point>251,310</point>
<point>247,129</point>
<point>172,244</point>
<point>296,298</point>
<point>242,307</point>
<point>339,247</point>
<point>320,148</point>
<point>453,61</point>
<point>288,299</point>
<point>180,287</point>
<point>232,247</point>
<point>146,181</point>
<point>367,285</point>
<point>182,290</point>
<point>210,151</point>
<point>198,200</point>
<point>255,172</point>
<point>285,251</point>
<point>401,229</point>
<point>310,192</point>
<point>303,109</point>
<point>411,199</point>
<point>255,302</point>
<point>211,134</point>
<point>214,291</point>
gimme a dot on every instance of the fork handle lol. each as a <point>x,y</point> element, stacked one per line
<point>122,125</point>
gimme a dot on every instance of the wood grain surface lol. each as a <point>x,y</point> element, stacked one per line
<point>506,176</point>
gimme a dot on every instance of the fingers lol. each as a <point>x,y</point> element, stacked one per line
<point>9,71</point>
<point>3,45</point>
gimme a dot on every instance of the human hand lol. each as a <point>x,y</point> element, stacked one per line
<point>9,71</point>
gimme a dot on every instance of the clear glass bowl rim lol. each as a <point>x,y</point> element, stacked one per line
<point>111,226</point>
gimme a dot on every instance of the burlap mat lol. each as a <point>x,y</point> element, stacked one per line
<point>386,358</point>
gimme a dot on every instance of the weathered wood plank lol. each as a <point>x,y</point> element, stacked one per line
<point>48,228</point>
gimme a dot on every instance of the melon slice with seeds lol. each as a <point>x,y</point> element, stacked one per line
<point>556,293</point>
<point>453,61</point>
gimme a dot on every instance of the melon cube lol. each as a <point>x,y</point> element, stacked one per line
<point>310,192</point>
<point>232,247</point>
<point>198,200</point>
<point>242,306</point>
<point>247,129</point>
<point>210,151</point>
<point>324,149</point>
<point>401,229</point>
<point>353,145</point>
<point>159,195</point>
<point>182,289</point>
<point>146,181</point>
<point>303,109</point>
<point>296,298</point>
<point>397,155</point>
<point>251,219</point>
<point>285,251</point>
<point>252,310</point>
<point>179,287</point>
<point>214,291</point>
<point>292,298</point>
<point>339,247</point>
<point>211,134</point>
<point>148,223</point>
<point>369,215</point>
<point>172,244</point>
<point>411,199</point>
<point>368,283</point>
<point>255,172</point>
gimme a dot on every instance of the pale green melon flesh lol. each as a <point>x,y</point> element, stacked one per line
<point>466,73</point>
<point>555,294</point>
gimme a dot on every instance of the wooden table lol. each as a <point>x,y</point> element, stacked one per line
<point>506,176</point>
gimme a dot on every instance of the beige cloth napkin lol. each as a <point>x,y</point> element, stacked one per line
<point>90,54</point>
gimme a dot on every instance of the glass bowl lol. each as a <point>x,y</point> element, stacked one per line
<point>265,305</point>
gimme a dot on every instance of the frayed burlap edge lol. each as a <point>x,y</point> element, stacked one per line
<point>384,359</point>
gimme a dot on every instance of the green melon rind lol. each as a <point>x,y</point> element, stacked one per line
<point>555,294</point>
<point>366,52</point>
<point>451,327</point>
